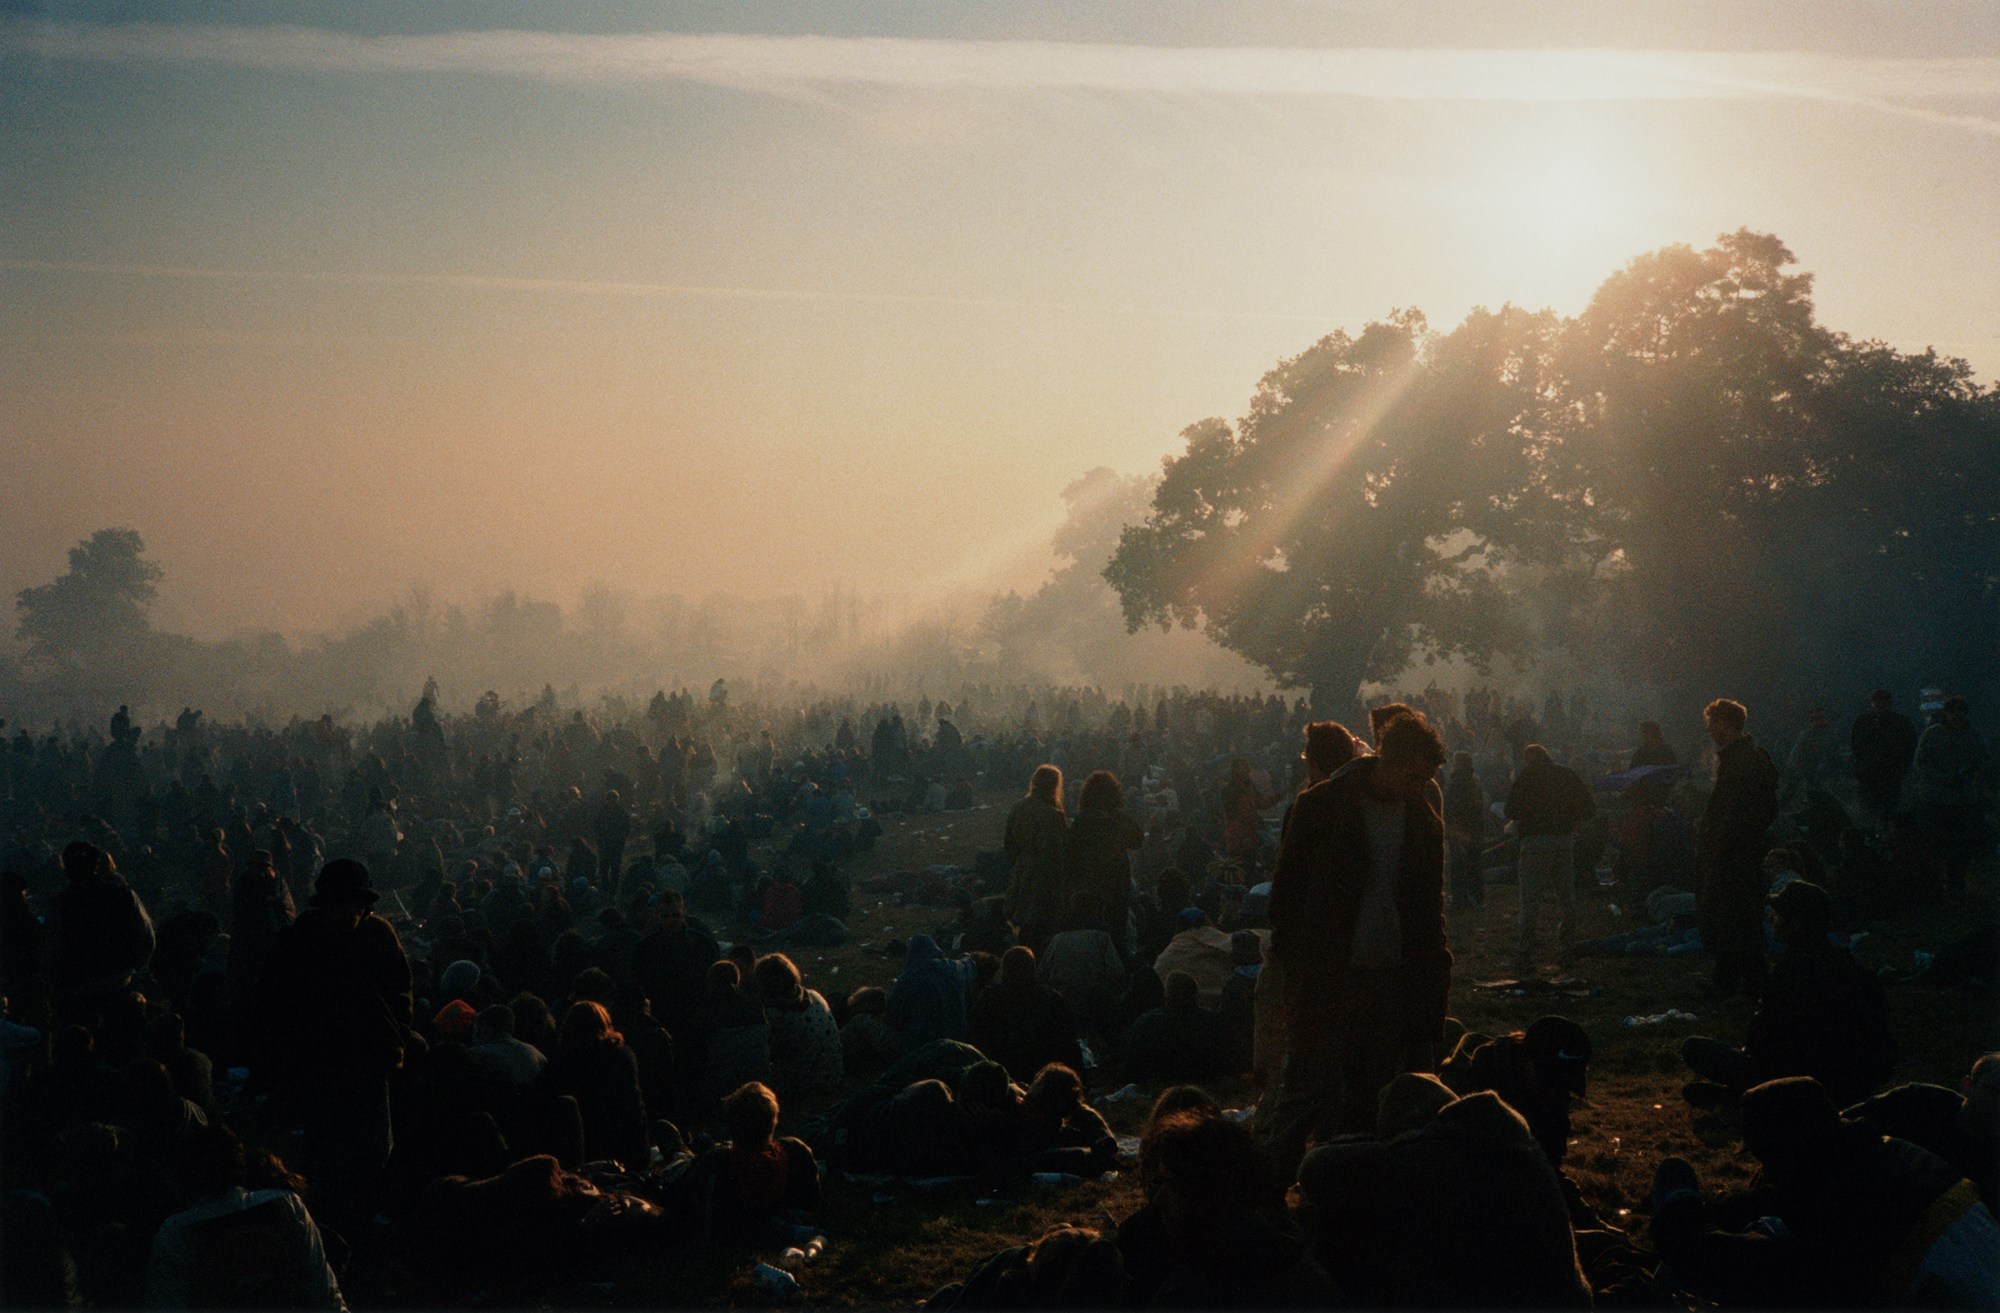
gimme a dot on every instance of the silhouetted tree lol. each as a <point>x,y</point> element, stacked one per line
<point>87,629</point>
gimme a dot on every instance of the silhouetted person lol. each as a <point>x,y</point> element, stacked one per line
<point>333,1017</point>
<point>1884,743</point>
<point>1729,851</point>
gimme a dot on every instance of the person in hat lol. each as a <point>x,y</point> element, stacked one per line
<point>1536,1072</point>
<point>1852,1218</point>
<point>333,1014</point>
<point>1823,1015</point>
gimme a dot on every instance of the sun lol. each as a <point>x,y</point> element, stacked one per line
<point>1558,194</point>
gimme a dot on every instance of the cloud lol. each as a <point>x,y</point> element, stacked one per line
<point>624,288</point>
<point>799,65</point>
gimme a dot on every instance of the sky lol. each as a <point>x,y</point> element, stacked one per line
<point>773,298</point>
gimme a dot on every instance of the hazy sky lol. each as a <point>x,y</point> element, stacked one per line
<point>324,299</point>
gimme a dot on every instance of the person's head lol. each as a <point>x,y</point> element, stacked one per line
<point>672,910</point>
<point>745,958</point>
<point>344,890</point>
<point>723,979</point>
<point>1724,719</point>
<point>587,1025</point>
<point>1536,755</point>
<point>1056,1090</point>
<point>1379,718</point>
<point>1101,793</point>
<point>1173,888</point>
<point>1980,1117</point>
<point>985,1085</point>
<point>1017,966</point>
<point>79,860</point>
<point>750,1115</point>
<point>1787,1124</point>
<point>1407,1102</point>
<point>1649,731</point>
<point>1329,746</point>
<point>1203,1172</point>
<point>1181,1099</point>
<point>869,1000</point>
<point>1802,913</point>
<point>778,979</point>
<point>1046,783</point>
<point>1410,755</point>
<point>1881,699</point>
<point>496,1022</point>
<point>1461,763</point>
<point>460,979</point>
<point>1074,1267</point>
<point>1559,1053</point>
<point>1957,712</point>
<point>209,1162</point>
<point>1183,992</point>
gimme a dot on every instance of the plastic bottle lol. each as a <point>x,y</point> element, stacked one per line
<point>814,1248</point>
<point>774,1280</point>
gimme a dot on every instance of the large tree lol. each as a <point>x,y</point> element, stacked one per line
<point>93,620</point>
<point>1692,484</point>
<point>1356,516</point>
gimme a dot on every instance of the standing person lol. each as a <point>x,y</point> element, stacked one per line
<point>1097,861</point>
<point>1729,851</point>
<point>334,1011</point>
<point>1034,846</point>
<point>1357,927</point>
<point>98,935</point>
<point>1653,749</point>
<point>611,827</point>
<point>261,906</point>
<point>1951,771</point>
<point>1884,743</point>
<point>1242,801</point>
<point>1465,830</point>
<point>1546,805</point>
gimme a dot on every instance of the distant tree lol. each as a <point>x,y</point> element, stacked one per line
<point>1358,515</point>
<point>95,616</point>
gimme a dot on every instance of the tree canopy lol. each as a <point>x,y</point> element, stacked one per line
<point>1692,483</point>
<point>97,607</point>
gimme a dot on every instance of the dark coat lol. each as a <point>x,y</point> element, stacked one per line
<point>1024,1028</point>
<point>1316,893</point>
<point>1465,1212</point>
<point>1548,799</point>
<point>332,1004</point>
<point>1729,843</point>
<point>1825,1016</point>
<point>604,1080</point>
<point>1097,872</point>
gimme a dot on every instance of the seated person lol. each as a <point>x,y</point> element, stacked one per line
<point>868,1042</point>
<point>1961,1126</point>
<point>742,1185</point>
<point>804,1038</point>
<point>1457,1208</point>
<point>1214,1231</point>
<point>236,1245</point>
<point>1021,1023</point>
<point>1853,1217</point>
<point>1045,1128</point>
<point>1823,1015</point>
<point>928,1000</point>
<point>1069,1267</point>
<point>1180,1041</point>
<point>1534,1071</point>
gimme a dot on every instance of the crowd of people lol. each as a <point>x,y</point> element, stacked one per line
<point>518,993</point>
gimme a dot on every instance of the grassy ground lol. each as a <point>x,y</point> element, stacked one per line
<point>893,1247</point>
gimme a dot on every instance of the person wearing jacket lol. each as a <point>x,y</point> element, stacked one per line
<point>1546,805</point>
<point>1034,847</point>
<point>334,1011</point>
<point>1357,927</point>
<point>1097,861</point>
<point>1729,851</point>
